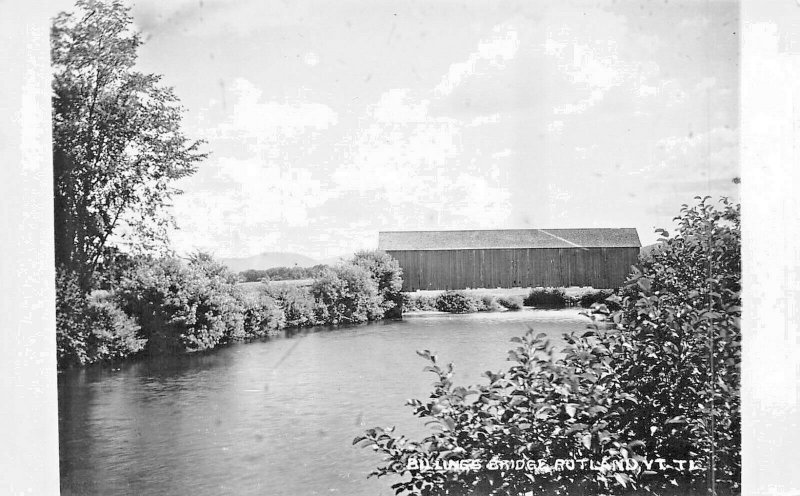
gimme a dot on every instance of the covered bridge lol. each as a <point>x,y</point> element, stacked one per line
<point>600,258</point>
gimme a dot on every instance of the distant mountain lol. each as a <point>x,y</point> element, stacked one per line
<point>267,260</point>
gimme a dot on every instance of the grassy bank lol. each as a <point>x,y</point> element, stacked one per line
<point>501,299</point>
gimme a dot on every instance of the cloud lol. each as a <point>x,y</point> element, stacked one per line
<point>706,84</point>
<point>595,58</point>
<point>205,18</point>
<point>266,121</point>
<point>242,202</point>
<point>543,118</point>
<point>311,59</point>
<point>483,120</point>
<point>594,69</point>
<point>482,204</point>
<point>708,158</point>
<point>494,51</point>
<point>242,192</point>
<point>394,106</point>
<point>555,126</point>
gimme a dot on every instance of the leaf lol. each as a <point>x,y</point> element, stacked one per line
<point>587,441</point>
<point>636,443</point>
<point>575,428</point>
<point>622,479</point>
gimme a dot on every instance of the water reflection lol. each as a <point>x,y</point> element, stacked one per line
<point>272,417</point>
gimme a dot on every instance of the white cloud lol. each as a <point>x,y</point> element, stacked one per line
<point>271,120</point>
<point>250,200</point>
<point>394,107</point>
<point>482,120</point>
<point>481,204</point>
<point>594,67</point>
<point>555,127</point>
<point>712,155</point>
<point>496,50</point>
<point>207,18</point>
<point>706,84</point>
<point>234,200</point>
<point>385,157</point>
<point>311,59</point>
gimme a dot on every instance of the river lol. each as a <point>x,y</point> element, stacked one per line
<point>274,417</point>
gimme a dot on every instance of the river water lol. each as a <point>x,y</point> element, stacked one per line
<point>275,417</point>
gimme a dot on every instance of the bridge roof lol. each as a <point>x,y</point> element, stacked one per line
<point>509,239</point>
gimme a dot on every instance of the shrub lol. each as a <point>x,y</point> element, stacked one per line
<point>183,307</point>
<point>346,294</point>
<point>511,302</point>
<point>409,303</point>
<point>456,302</point>
<point>415,302</point>
<point>488,303</point>
<point>297,304</point>
<point>387,273</point>
<point>261,314</point>
<point>72,333</point>
<point>547,297</point>
<point>540,409</point>
<point>664,386</point>
<point>685,302</point>
<point>426,303</point>
<point>589,298</point>
<point>93,328</point>
<point>114,335</point>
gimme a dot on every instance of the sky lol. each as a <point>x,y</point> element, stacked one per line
<point>328,122</point>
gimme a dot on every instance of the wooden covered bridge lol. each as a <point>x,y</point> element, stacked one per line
<point>601,258</point>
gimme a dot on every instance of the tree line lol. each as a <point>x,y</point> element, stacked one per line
<point>282,273</point>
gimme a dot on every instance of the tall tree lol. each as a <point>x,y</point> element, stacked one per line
<point>117,139</point>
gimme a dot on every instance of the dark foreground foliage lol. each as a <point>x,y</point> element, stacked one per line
<point>664,386</point>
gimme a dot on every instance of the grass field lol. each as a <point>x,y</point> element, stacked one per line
<point>258,285</point>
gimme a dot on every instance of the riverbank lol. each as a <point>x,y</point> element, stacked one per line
<point>502,299</point>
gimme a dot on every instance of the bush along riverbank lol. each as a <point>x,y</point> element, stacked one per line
<point>469,301</point>
<point>652,407</point>
<point>170,306</point>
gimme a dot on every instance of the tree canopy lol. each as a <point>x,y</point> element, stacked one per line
<point>117,139</point>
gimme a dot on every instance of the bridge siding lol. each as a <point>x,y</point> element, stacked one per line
<point>523,267</point>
